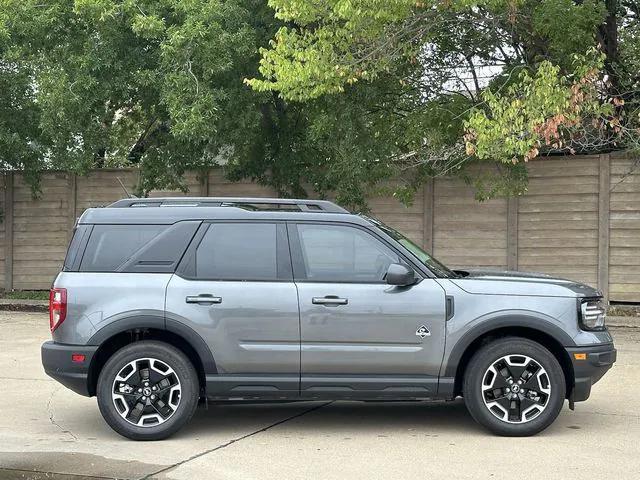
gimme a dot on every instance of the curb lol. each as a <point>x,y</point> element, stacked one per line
<point>9,304</point>
<point>623,322</point>
<point>23,308</point>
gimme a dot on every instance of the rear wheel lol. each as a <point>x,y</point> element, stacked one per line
<point>147,390</point>
<point>514,387</point>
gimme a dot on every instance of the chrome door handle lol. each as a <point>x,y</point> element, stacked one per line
<point>203,299</point>
<point>329,300</point>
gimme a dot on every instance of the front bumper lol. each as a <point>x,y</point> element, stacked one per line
<point>597,360</point>
<point>58,364</point>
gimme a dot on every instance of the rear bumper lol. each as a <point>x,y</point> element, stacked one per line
<point>57,363</point>
<point>599,359</point>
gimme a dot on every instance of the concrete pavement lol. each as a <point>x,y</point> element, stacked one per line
<point>49,432</point>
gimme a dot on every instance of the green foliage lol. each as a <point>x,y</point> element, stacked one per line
<point>340,143</point>
<point>567,27</point>
<point>115,83</point>
<point>329,45</point>
<point>315,57</point>
<point>549,88</point>
<point>534,110</point>
<point>342,95</point>
<point>503,180</point>
<point>26,295</point>
<point>159,85</point>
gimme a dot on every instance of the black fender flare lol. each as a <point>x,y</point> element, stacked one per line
<point>531,322</point>
<point>158,322</point>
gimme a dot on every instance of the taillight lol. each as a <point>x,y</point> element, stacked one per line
<point>57,307</point>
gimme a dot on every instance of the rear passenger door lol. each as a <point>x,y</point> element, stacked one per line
<point>235,288</point>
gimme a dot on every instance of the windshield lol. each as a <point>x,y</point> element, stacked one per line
<point>434,265</point>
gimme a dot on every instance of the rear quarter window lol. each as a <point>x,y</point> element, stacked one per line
<point>74,252</point>
<point>110,246</point>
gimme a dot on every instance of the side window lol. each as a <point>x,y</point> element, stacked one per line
<point>336,253</point>
<point>76,247</point>
<point>238,251</point>
<point>112,245</point>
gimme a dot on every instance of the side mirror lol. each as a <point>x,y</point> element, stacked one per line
<point>400,275</point>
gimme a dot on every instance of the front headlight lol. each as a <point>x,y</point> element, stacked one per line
<point>592,314</point>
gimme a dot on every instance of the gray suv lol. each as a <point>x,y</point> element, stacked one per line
<point>165,302</point>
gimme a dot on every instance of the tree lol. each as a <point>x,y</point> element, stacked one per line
<point>111,83</point>
<point>159,85</point>
<point>534,77</point>
<point>348,94</point>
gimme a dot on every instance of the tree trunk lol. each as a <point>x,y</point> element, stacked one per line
<point>609,41</point>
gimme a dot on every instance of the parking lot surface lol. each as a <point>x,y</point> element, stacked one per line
<point>48,432</point>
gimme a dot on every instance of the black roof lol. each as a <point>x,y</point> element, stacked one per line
<point>173,209</point>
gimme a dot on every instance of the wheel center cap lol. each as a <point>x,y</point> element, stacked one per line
<point>146,391</point>
<point>515,388</point>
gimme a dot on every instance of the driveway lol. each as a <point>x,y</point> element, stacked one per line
<point>46,431</point>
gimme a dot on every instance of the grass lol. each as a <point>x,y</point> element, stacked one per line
<point>623,311</point>
<point>26,295</point>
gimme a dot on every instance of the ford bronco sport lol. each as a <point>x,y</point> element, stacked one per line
<point>163,302</point>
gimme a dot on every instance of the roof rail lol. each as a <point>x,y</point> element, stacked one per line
<point>256,204</point>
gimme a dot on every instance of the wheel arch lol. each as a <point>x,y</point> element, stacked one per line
<point>149,327</point>
<point>548,335</point>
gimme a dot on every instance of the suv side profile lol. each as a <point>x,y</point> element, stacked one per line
<point>164,302</point>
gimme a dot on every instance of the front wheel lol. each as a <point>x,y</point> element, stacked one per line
<point>514,386</point>
<point>147,390</point>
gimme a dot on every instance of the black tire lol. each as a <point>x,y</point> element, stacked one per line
<point>184,371</point>
<point>478,368</point>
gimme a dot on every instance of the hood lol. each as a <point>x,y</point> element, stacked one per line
<point>502,282</point>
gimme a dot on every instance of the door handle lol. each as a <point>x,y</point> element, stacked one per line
<point>203,299</point>
<point>329,300</point>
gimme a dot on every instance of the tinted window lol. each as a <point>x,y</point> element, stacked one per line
<point>238,251</point>
<point>162,254</point>
<point>434,265</point>
<point>335,253</point>
<point>75,247</point>
<point>112,245</point>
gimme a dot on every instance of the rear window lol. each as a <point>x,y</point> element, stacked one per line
<point>110,246</point>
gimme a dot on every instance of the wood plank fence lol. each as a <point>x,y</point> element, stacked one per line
<point>580,219</point>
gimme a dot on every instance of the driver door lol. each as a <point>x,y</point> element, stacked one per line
<point>362,338</point>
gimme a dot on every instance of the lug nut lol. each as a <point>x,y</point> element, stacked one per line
<point>139,390</point>
<point>508,389</point>
<point>146,384</point>
<point>154,388</point>
<point>144,398</point>
<point>510,382</point>
<point>153,397</point>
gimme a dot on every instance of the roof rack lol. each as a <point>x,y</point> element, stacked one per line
<point>256,204</point>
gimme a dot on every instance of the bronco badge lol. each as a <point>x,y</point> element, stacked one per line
<point>423,331</point>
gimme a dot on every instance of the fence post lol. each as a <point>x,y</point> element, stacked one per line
<point>72,203</point>
<point>428,212</point>
<point>604,200</point>
<point>204,183</point>
<point>512,233</point>
<point>8,231</point>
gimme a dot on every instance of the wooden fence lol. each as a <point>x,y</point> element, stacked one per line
<point>580,219</point>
